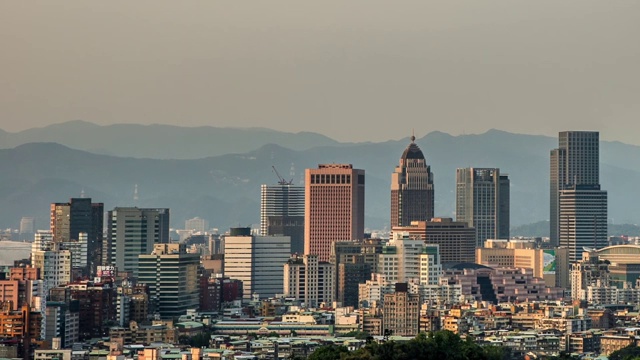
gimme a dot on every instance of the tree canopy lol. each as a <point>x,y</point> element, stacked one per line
<point>435,345</point>
<point>631,352</point>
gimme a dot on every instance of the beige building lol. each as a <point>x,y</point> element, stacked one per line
<point>334,207</point>
<point>401,312</point>
<point>58,354</point>
<point>256,261</point>
<point>514,254</point>
<point>309,280</point>
<point>54,266</point>
<point>547,264</point>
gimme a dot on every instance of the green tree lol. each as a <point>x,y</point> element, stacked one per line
<point>439,345</point>
<point>630,352</point>
<point>329,352</point>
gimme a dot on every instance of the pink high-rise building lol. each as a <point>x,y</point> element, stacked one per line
<point>334,207</point>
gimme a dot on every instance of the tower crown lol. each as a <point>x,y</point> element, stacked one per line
<point>412,152</point>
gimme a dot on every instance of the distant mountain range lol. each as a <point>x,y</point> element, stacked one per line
<point>161,141</point>
<point>541,229</point>
<point>175,171</point>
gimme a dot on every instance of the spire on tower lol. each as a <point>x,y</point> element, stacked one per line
<point>413,136</point>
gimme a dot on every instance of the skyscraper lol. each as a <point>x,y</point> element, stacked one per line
<point>582,219</point>
<point>575,164</point>
<point>27,228</point>
<point>77,216</point>
<point>172,277</point>
<point>282,213</point>
<point>257,261</point>
<point>196,225</point>
<point>334,207</point>
<point>132,232</point>
<point>456,239</point>
<point>482,201</point>
<point>411,188</point>
<point>309,280</point>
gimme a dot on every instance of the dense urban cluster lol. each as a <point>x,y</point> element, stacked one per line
<point>310,283</point>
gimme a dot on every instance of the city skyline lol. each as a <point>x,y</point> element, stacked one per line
<point>486,234</point>
<point>441,150</point>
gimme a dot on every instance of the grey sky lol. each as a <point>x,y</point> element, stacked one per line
<point>353,70</point>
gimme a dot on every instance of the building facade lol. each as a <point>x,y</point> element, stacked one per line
<point>309,280</point>
<point>412,195</point>
<point>582,219</point>
<point>77,216</point>
<point>334,207</point>
<point>354,262</point>
<point>282,213</point>
<point>482,201</point>
<point>456,240</point>
<point>172,277</point>
<point>197,225</point>
<point>133,231</point>
<point>256,261</point>
<point>574,164</point>
<point>401,312</point>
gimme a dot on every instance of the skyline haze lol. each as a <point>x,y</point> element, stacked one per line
<point>350,71</point>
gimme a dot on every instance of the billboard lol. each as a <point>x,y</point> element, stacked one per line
<point>106,271</point>
<point>549,262</point>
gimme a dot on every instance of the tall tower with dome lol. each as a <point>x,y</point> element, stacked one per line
<point>411,188</point>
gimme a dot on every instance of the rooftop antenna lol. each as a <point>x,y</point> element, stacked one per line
<point>281,180</point>
<point>82,193</point>
<point>135,193</point>
<point>413,135</point>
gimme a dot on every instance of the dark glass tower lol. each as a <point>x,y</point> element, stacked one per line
<point>77,216</point>
<point>578,207</point>
<point>282,213</point>
<point>482,201</point>
<point>411,188</point>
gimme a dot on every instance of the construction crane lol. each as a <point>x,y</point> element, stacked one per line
<point>281,180</point>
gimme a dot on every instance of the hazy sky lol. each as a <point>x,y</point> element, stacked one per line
<point>353,70</point>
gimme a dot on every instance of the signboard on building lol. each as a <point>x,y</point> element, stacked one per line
<point>108,271</point>
<point>549,262</point>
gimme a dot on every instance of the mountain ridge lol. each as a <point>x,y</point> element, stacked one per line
<point>225,188</point>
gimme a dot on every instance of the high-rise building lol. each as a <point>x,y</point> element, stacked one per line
<point>482,201</point>
<point>578,206</point>
<point>172,276</point>
<point>77,216</point>
<point>282,213</point>
<point>54,266</point>
<point>27,228</point>
<point>456,239</point>
<point>22,327</point>
<point>334,207</point>
<point>43,240</point>
<point>132,232</point>
<point>412,197</point>
<point>62,317</point>
<point>575,162</point>
<point>309,280</point>
<point>583,219</point>
<point>23,287</point>
<point>354,263</point>
<point>401,311</point>
<point>196,225</point>
<point>256,261</point>
<point>97,306</point>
